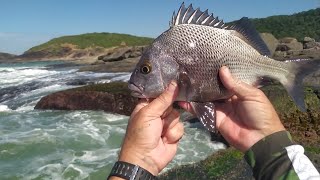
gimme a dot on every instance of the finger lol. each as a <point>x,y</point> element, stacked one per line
<point>186,106</point>
<point>234,85</point>
<point>174,134</point>
<point>171,120</point>
<point>141,103</point>
<point>165,100</point>
<point>167,112</point>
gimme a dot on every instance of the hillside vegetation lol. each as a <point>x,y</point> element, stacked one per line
<point>299,25</point>
<point>93,40</point>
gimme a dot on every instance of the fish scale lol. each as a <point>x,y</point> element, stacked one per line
<point>193,50</point>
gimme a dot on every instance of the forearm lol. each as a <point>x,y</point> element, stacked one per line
<point>278,157</point>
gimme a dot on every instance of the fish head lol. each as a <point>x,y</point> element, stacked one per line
<point>153,73</point>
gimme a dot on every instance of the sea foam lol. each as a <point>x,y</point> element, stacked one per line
<point>4,108</point>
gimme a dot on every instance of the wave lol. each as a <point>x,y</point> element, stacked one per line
<point>18,77</point>
<point>4,108</point>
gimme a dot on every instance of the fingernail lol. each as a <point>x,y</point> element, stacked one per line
<point>172,86</point>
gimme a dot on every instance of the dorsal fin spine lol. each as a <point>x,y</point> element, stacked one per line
<point>190,16</point>
<point>177,19</point>
<point>205,20</point>
<point>186,13</point>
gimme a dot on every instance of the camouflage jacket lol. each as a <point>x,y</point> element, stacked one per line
<point>278,157</point>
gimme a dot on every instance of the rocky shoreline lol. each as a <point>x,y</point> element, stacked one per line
<point>115,98</point>
<point>226,164</point>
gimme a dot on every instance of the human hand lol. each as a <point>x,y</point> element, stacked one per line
<point>153,133</point>
<point>246,117</point>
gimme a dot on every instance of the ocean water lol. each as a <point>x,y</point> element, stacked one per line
<point>47,144</point>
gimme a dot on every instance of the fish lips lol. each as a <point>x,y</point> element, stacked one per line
<point>136,91</point>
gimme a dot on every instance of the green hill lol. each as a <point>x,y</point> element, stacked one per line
<point>298,25</point>
<point>104,40</point>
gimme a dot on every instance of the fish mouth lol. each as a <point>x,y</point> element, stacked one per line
<point>136,91</point>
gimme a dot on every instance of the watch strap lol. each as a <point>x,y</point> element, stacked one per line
<point>130,171</point>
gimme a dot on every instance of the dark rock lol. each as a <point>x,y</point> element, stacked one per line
<point>113,97</point>
<point>282,47</point>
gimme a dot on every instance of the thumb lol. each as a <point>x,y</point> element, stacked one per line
<point>165,100</point>
<point>234,85</point>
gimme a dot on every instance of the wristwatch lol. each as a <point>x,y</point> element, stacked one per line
<point>130,171</point>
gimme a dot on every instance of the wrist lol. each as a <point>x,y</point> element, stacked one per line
<point>125,170</point>
<point>263,133</point>
<point>139,159</point>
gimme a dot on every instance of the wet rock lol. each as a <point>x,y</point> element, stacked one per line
<point>112,97</point>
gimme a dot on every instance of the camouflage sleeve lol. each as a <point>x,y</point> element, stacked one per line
<point>278,157</point>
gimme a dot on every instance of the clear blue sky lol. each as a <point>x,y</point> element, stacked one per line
<point>26,23</point>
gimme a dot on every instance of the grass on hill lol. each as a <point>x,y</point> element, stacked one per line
<point>104,40</point>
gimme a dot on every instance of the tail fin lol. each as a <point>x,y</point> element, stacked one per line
<point>299,69</point>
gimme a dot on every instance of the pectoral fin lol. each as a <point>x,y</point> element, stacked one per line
<point>206,113</point>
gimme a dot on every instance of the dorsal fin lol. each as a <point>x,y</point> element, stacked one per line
<point>190,16</point>
<point>245,30</point>
<point>242,28</point>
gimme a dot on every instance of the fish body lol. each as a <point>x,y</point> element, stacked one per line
<point>193,50</point>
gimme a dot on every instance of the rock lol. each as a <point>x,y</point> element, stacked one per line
<point>117,55</point>
<point>97,63</point>
<point>270,41</point>
<point>289,44</point>
<point>126,65</point>
<point>298,54</point>
<point>112,97</point>
<point>287,40</point>
<point>311,53</point>
<point>312,44</point>
<point>308,39</point>
<point>122,53</point>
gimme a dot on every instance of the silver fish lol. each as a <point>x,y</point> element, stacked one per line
<point>193,50</point>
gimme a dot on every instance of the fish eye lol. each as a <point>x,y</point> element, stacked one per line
<point>145,68</point>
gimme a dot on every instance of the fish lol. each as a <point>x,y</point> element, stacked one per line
<point>196,46</point>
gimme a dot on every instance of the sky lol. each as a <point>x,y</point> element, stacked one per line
<point>26,23</point>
